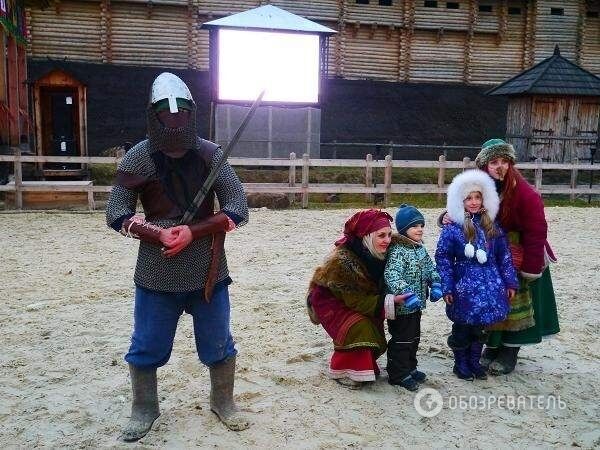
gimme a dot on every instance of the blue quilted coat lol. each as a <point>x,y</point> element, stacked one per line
<point>479,290</point>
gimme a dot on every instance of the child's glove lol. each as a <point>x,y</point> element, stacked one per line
<point>435,293</point>
<point>413,302</point>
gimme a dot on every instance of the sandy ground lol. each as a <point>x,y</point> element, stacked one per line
<point>66,319</point>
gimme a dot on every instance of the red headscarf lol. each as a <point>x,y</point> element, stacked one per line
<point>363,223</point>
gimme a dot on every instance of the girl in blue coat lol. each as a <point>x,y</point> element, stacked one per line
<point>475,265</point>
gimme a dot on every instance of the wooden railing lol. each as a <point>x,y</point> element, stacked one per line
<point>302,186</point>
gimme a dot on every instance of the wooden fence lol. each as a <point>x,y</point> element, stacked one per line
<point>302,185</point>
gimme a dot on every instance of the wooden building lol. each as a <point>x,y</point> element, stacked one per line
<point>553,110</point>
<point>14,112</point>
<point>424,46</point>
<point>467,41</point>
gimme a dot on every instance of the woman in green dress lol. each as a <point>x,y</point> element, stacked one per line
<point>533,312</point>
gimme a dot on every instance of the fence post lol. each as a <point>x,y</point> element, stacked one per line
<point>466,162</point>
<point>441,174</point>
<point>574,177</point>
<point>369,177</point>
<point>305,162</point>
<point>387,180</point>
<point>90,196</point>
<point>18,169</point>
<point>292,177</point>
<point>538,174</point>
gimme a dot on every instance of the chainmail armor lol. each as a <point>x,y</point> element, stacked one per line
<point>188,270</point>
<point>163,138</point>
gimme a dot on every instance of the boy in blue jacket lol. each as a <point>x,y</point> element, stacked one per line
<point>409,269</point>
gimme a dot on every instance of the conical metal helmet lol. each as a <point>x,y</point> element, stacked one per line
<point>169,86</point>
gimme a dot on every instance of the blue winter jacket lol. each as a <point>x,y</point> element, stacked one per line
<point>479,290</point>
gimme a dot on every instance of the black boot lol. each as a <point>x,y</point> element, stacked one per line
<point>505,362</point>
<point>144,405</point>
<point>474,355</point>
<point>489,354</point>
<point>221,395</point>
<point>461,366</point>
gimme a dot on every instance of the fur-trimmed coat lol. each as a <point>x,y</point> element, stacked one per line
<point>478,289</point>
<point>347,302</point>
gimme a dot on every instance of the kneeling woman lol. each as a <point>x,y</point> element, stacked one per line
<point>345,297</point>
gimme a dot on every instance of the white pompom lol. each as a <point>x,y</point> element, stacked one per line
<point>481,256</point>
<point>469,250</point>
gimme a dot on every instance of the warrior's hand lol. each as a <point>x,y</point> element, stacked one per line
<point>176,239</point>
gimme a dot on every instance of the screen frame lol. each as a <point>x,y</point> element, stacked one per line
<point>214,68</point>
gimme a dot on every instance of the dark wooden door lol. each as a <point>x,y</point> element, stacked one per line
<point>60,125</point>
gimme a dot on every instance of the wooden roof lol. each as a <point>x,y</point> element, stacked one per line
<point>553,76</point>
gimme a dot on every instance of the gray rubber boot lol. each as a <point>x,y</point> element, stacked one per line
<point>488,356</point>
<point>221,395</point>
<point>505,362</point>
<point>144,405</point>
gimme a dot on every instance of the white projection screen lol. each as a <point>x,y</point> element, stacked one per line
<point>285,64</point>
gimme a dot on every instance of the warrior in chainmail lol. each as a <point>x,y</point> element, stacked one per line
<point>179,267</point>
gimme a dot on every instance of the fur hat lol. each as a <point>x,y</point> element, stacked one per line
<point>492,149</point>
<point>408,216</point>
<point>465,183</point>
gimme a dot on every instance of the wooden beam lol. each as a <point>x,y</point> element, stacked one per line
<point>473,10</point>
<point>12,70</point>
<point>106,31</point>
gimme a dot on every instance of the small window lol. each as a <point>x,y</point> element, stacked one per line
<point>557,11</point>
<point>430,4</point>
<point>514,11</point>
<point>385,2</point>
<point>592,14</point>
<point>452,5</point>
<point>362,2</point>
<point>485,8</point>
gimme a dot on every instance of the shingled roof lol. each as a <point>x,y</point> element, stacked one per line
<point>553,76</point>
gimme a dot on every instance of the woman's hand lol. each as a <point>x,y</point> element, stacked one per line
<point>399,299</point>
<point>511,293</point>
<point>446,220</point>
<point>448,299</point>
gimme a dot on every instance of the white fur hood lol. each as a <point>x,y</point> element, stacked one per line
<point>462,185</point>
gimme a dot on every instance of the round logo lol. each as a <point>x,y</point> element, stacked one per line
<point>428,402</point>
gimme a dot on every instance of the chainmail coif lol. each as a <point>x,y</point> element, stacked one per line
<point>166,139</point>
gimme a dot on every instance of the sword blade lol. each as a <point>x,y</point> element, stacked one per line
<point>212,176</point>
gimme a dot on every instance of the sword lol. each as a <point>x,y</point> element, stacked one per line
<point>212,176</point>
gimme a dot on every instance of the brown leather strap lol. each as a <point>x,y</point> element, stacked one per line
<point>216,251</point>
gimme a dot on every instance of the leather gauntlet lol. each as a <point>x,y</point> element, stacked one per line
<point>140,229</point>
<point>215,224</point>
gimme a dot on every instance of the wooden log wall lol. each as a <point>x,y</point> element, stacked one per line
<point>139,35</point>
<point>498,52</point>
<point>590,43</point>
<point>556,29</point>
<point>405,41</point>
<point>69,29</point>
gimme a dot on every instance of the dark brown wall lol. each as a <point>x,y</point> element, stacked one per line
<point>352,110</point>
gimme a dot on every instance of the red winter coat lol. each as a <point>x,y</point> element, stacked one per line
<point>526,216</point>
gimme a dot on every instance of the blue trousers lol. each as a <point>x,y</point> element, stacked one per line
<point>155,321</point>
